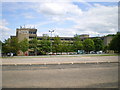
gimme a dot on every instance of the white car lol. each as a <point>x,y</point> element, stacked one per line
<point>99,52</point>
<point>92,52</point>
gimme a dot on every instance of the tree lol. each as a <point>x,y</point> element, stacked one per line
<point>65,47</point>
<point>56,44</point>
<point>24,45</point>
<point>0,48</point>
<point>11,45</point>
<point>33,45</point>
<point>105,48</point>
<point>61,47</point>
<point>98,43</point>
<point>115,43</point>
<point>15,46</point>
<point>6,48</point>
<point>77,43</point>
<point>44,45</point>
<point>88,45</point>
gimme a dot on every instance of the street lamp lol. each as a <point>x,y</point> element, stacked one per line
<point>51,31</point>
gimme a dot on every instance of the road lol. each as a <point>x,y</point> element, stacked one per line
<point>59,59</point>
<point>103,75</point>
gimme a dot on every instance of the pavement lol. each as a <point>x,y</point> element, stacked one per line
<point>72,71</point>
<point>61,76</point>
<point>64,59</point>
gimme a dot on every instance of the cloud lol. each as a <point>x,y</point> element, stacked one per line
<point>60,0</point>
<point>3,25</point>
<point>14,6</point>
<point>37,25</point>
<point>57,11</point>
<point>98,19</point>
<point>4,30</point>
<point>28,15</point>
<point>62,32</point>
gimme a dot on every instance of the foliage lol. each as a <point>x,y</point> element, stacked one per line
<point>111,35</point>
<point>88,45</point>
<point>11,45</point>
<point>57,44</point>
<point>115,43</point>
<point>33,45</point>
<point>0,44</point>
<point>61,47</point>
<point>14,44</point>
<point>44,45</point>
<point>98,43</point>
<point>105,48</point>
<point>77,43</point>
<point>6,48</point>
<point>66,47</point>
<point>24,45</point>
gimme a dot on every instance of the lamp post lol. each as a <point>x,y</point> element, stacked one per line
<point>51,31</point>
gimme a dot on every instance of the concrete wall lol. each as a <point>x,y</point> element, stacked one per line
<point>107,40</point>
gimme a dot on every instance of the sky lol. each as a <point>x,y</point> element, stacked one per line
<point>66,18</point>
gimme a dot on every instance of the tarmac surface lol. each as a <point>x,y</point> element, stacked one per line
<point>35,60</point>
<point>78,71</point>
<point>61,76</point>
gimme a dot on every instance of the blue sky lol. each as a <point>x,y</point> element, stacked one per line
<point>66,18</point>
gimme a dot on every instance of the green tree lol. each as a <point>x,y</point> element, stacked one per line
<point>115,43</point>
<point>105,48</point>
<point>77,43</point>
<point>44,45</point>
<point>98,43</point>
<point>61,47</point>
<point>65,47</point>
<point>0,47</point>
<point>71,48</point>
<point>24,45</point>
<point>6,48</point>
<point>14,45</point>
<point>57,44</point>
<point>33,45</point>
<point>11,45</point>
<point>88,45</point>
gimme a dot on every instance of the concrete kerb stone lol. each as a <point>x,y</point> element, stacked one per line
<point>64,63</point>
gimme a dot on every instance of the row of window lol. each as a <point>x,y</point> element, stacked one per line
<point>39,45</point>
<point>50,39</point>
<point>32,32</point>
<point>26,32</point>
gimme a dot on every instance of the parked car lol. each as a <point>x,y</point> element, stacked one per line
<point>10,54</point>
<point>92,52</point>
<point>99,52</point>
<point>80,52</point>
<point>72,53</point>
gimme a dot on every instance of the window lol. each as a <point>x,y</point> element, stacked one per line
<point>32,32</point>
<point>39,38</point>
<point>23,32</point>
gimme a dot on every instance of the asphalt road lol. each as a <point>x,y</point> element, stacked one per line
<point>59,59</point>
<point>103,75</point>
